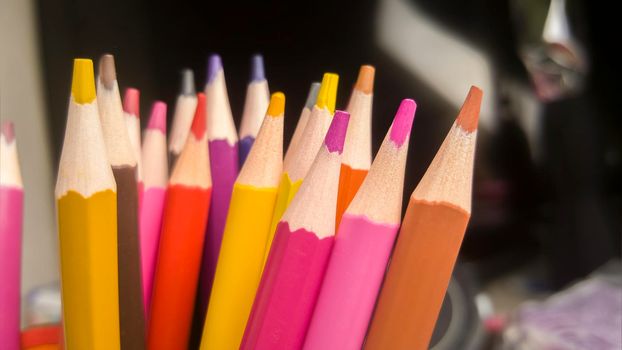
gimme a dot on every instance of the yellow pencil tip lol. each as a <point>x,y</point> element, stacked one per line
<point>83,82</point>
<point>327,97</point>
<point>277,104</point>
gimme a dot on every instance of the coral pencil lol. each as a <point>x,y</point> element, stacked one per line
<point>121,158</point>
<point>302,155</point>
<point>131,115</point>
<point>155,179</point>
<point>182,117</point>
<point>223,152</point>
<point>356,158</point>
<point>363,245</point>
<point>11,214</point>
<point>304,118</point>
<point>257,99</point>
<point>302,244</point>
<point>181,242</point>
<point>242,251</point>
<point>86,202</point>
<point>429,241</point>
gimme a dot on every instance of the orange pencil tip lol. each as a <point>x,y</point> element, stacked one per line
<point>469,113</point>
<point>365,81</point>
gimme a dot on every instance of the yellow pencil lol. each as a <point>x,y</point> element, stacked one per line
<point>301,156</point>
<point>87,223</point>
<point>248,222</point>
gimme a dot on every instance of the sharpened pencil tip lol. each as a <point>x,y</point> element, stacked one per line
<point>157,119</point>
<point>403,121</point>
<point>327,96</point>
<point>365,80</point>
<point>469,113</point>
<point>214,65</point>
<point>187,82</point>
<point>336,134</point>
<point>276,108</point>
<point>83,81</point>
<point>107,71</point>
<point>199,121</point>
<point>257,68</point>
<point>131,102</point>
<point>8,131</point>
<point>312,96</point>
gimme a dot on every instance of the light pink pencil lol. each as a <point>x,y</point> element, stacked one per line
<point>155,164</point>
<point>363,245</point>
<point>11,204</point>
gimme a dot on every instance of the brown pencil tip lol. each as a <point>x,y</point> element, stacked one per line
<point>107,71</point>
<point>469,113</point>
<point>365,81</point>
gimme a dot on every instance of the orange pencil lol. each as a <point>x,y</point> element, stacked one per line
<point>181,241</point>
<point>429,241</point>
<point>357,149</point>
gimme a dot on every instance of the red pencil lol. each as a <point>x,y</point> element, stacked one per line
<point>181,243</point>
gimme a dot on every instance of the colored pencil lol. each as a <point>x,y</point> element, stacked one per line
<point>257,99</point>
<point>155,179</point>
<point>429,240</point>
<point>11,214</point>
<point>131,115</point>
<point>182,117</point>
<point>244,241</point>
<point>303,119</point>
<point>42,337</point>
<point>86,198</point>
<point>302,245</point>
<point>223,152</point>
<point>296,167</point>
<point>356,158</point>
<point>363,245</point>
<point>181,241</point>
<point>121,158</point>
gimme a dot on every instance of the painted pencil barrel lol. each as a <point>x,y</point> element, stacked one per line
<point>177,271</point>
<point>349,182</point>
<point>239,267</point>
<point>351,284</point>
<point>11,211</point>
<point>284,305</point>
<point>245,145</point>
<point>150,227</point>
<point>224,168</point>
<point>89,272</point>
<point>418,276</point>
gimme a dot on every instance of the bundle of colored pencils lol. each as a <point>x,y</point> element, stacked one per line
<point>227,234</point>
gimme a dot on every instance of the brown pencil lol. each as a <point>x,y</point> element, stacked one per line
<point>429,241</point>
<point>123,162</point>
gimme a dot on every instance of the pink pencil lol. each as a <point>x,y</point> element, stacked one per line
<point>11,206</point>
<point>302,244</point>
<point>363,245</point>
<point>131,115</point>
<point>155,178</point>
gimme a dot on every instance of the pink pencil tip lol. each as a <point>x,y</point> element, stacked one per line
<point>157,120</point>
<point>336,134</point>
<point>131,102</point>
<point>403,121</point>
<point>8,131</point>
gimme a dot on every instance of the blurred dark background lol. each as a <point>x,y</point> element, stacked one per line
<point>548,193</point>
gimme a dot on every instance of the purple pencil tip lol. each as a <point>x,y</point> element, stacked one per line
<point>257,69</point>
<point>157,120</point>
<point>214,64</point>
<point>403,121</point>
<point>8,131</point>
<point>336,134</point>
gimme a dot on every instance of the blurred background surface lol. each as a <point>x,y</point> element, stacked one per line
<point>547,195</point>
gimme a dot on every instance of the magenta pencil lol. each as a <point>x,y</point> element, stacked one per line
<point>11,206</point>
<point>223,151</point>
<point>302,244</point>
<point>362,246</point>
<point>155,163</point>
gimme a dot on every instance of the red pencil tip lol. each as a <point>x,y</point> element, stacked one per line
<point>199,121</point>
<point>469,113</point>
<point>131,102</point>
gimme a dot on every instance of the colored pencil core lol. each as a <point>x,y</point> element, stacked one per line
<point>469,113</point>
<point>327,95</point>
<point>198,123</point>
<point>403,122</point>
<point>365,81</point>
<point>277,104</point>
<point>107,71</point>
<point>214,64</point>
<point>257,69</point>
<point>83,82</point>
<point>131,104</point>
<point>158,116</point>
<point>336,134</point>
